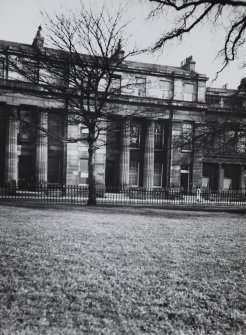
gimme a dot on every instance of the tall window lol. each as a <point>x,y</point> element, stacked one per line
<point>165,88</point>
<point>158,136</point>
<point>115,86</point>
<point>2,68</point>
<point>134,173</point>
<point>141,86</point>
<point>135,134</point>
<point>187,136</point>
<point>189,92</point>
<point>158,175</point>
<point>55,126</point>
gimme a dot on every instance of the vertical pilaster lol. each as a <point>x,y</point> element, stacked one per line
<point>11,157</point>
<point>124,155</point>
<point>42,149</point>
<point>242,178</point>
<point>148,168</point>
<point>221,177</point>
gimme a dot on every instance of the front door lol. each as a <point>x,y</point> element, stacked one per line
<point>184,178</point>
<point>184,182</point>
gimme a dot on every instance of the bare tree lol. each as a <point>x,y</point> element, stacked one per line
<point>190,13</point>
<point>79,70</point>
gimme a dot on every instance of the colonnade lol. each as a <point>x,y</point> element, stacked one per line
<point>148,160</point>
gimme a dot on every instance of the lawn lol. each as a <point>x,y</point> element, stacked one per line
<point>121,271</point>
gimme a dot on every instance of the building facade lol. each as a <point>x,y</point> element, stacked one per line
<point>138,152</point>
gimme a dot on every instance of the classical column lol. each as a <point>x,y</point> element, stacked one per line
<point>42,150</point>
<point>242,185</point>
<point>11,160</point>
<point>221,177</point>
<point>149,150</point>
<point>125,155</point>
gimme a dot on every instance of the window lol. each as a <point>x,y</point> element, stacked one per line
<point>22,69</point>
<point>187,136</point>
<point>165,87</point>
<point>158,175</point>
<point>213,99</point>
<point>26,132</point>
<point>241,144</point>
<point>83,168</point>
<point>84,132</point>
<point>115,85</point>
<point>134,173</point>
<point>54,170</point>
<point>135,134</point>
<point>2,68</point>
<point>158,136</point>
<point>141,86</point>
<point>229,101</point>
<point>55,125</point>
<point>189,92</point>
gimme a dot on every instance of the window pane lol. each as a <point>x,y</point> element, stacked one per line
<point>165,87</point>
<point>158,175</point>
<point>27,131</point>
<point>158,136</point>
<point>134,173</point>
<point>189,90</point>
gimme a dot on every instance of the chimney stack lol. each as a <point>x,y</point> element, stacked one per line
<point>188,64</point>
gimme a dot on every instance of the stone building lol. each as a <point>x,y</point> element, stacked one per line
<point>139,153</point>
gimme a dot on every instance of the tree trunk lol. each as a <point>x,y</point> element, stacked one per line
<point>91,173</point>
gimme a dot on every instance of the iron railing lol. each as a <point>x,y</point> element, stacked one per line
<point>78,195</point>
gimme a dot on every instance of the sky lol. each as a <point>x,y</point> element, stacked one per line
<point>19,20</point>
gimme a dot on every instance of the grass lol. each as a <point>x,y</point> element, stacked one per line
<point>121,271</point>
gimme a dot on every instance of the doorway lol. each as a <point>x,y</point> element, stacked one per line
<point>184,178</point>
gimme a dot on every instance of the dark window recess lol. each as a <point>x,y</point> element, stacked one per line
<point>2,68</point>
<point>158,167</point>
<point>55,129</point>
<point>26,172</point>
<point>27,131</point>
<point>159,136</point>
<point>229,101</point>
<point>135,134</point>
<point>134,173</point>
<point>54,170</point>
<point>213,99</point>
